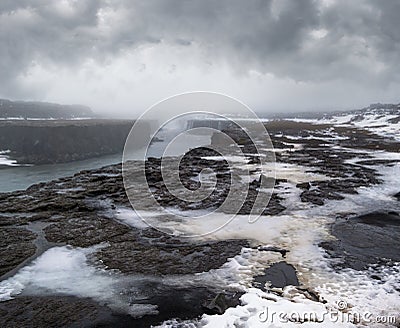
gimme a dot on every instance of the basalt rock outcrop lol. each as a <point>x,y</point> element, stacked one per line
<point>44,142</point>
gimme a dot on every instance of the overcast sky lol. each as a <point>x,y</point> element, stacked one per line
<point>122,56</point>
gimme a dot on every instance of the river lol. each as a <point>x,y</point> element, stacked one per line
<point>21,177</point>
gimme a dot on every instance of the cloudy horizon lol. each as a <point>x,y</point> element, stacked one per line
<point>119,57</point>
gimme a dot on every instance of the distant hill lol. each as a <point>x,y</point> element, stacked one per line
<point>381,119</point>
<point>32,109</point>
<point>378,108</point>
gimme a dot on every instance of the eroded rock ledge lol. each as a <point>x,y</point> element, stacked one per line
<point>59,141</point>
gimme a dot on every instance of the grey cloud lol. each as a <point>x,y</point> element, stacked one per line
<point>361,42</point>
<point>29,34</point>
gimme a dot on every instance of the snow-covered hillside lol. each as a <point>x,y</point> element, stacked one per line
<point>381,119</point>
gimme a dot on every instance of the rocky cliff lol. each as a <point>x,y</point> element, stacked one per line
<point>44,141</point>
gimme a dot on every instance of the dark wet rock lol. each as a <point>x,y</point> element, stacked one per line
<point>84,230</point>
<point>240,137</point>
<point>315,153</point>
<point>292,128</point>
<point>329,156</point>
<point>72,312</point>
<point>311,295</point>
<point>345,180</point>
<point>273,207</point>
<point>304,185</point>
<point>190,166</point>
<point>184,303</point>
<point>397,196</point>
<point>319,191</point>
<point>16,245</point>
<point>360,138</point>
<point>65,311</point>
<point>131,254</point>
<point>281,145</point>
<point>273,249</point>
<point>318,196</point>
<point>365,240</point>
<point>221,302</point>
<point>379,219</point>
<point>80,211</point>
<point>79,220</point>
<point>278,275</point>
<point>9,219</point>
<point>51,311</point>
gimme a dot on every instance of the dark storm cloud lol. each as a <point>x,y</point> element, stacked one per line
<point>32,32</point>
<point>303,40</point>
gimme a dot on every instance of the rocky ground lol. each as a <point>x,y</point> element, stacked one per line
<point>81,211</point>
